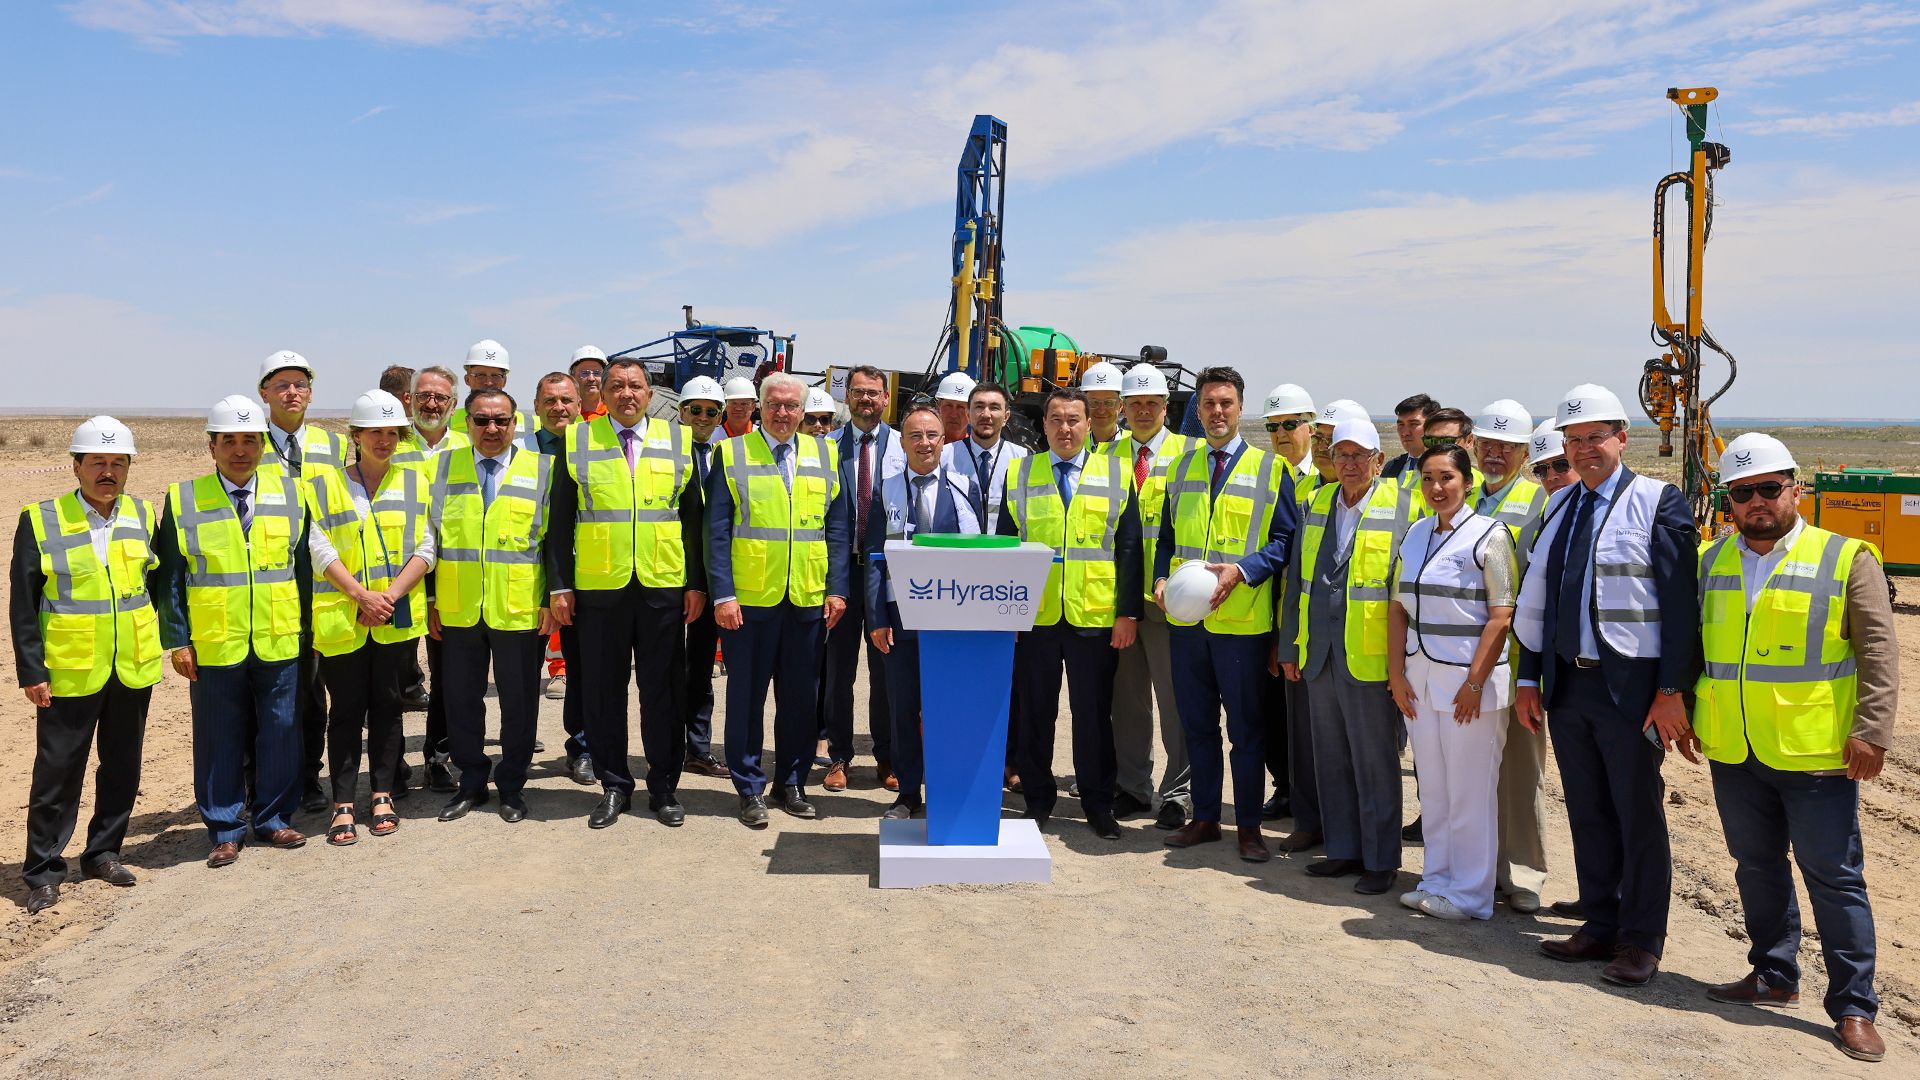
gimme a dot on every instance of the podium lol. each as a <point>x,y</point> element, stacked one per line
<point>966,597</point>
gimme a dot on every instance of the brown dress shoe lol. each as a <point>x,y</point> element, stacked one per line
<point>1295,842</point>
<point>1632,966</point>
<point>224,855</point>
<point>836,777</point>
<point>1753,990</point>
<point>1253,847</point>
<point>1858,1040</point>
<point>1194,832</point>
<point>285,838</point>
<point>1577,947</point>
<point>887,779</point>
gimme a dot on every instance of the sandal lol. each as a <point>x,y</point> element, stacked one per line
<point>343,835</point>
<point>383,823</point>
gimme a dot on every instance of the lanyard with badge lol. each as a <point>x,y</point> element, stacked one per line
<point>402,617</point>
<point>986,482</point>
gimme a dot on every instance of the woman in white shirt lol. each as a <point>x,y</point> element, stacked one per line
<point>1453,601</point>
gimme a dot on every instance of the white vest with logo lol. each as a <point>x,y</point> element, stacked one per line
<point>1627,606</point>
<point>1443,588</point>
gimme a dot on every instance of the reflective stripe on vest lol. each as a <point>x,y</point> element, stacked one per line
<point>1082,583</point>
<point>1779,678</point>
<point>96,620</point>
<point>373,555</point>
<point>1386,514</point>
<point>409,452</point>
<point>488,557</point>
<point>317,447</point>
<point>241,592</point>
<point>1445,598</point>
<point>1153,493</point>
<point>1627,607</point>
<point>1225,528</point>
<point>628,520</point>
<point>779,543</point>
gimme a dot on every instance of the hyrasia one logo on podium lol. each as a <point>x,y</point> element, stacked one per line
<point>1010,598</point>
<point>944,588</point>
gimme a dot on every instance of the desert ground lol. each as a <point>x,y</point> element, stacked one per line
<point>476,948</point>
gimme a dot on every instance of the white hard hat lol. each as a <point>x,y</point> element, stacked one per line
<point>377,409</point>
<point>102,435</point>
<point>1754,454</point>
<point>738,388</point>
<point>1288,399</point>
<point>1357,432</point>
<point>1143,380</point>
<point>488,353</point>
<point>1101,376</point>
<point>584,352</point>
<point>1335,413</point>
<point>957,387</point>
<point>1505,420</point>
<point>818,401</point>
<point>285,358</point>
<point>236,412</point>
<point>1547,443</point>
<point>1587,403</point>
<point>1189,591</point>
<point>702,388</point>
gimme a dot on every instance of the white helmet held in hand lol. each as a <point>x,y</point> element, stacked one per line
<point>1288,399</point>
<point>1143,380</point>
<point>702,388</point>
<point>377,409</point>
<point>236,412</point>
<point>957,386</point>
<point>1755,454</point>
<point>102,435</point>
<point>1587,403</point>
<point>488,353</point>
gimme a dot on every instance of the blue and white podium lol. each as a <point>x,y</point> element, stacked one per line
<point>966,597</point>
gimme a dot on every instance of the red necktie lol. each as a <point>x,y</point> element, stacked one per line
<point>1219,469</point>
<point>1140,467</point>
<point>863,493</point>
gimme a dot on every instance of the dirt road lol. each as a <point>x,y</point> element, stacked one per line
<point>479,948</point>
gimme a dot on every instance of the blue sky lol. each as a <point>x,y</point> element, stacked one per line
<point>1368,199</point>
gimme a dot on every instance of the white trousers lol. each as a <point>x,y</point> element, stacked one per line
<point>1459,785</point>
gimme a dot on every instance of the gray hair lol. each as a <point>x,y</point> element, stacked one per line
<point>780,380</point>
<point>435,370</point>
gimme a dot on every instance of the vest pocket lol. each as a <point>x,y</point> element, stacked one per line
<point>145,624</point>
<point>749,567</point>
<point>207,613</point>
<point>333,620</point>
<point>1716,715</point>
<point>70,640</point>
<point>1805,721</point>
<point>272,542</point>
<point>1098,591</point>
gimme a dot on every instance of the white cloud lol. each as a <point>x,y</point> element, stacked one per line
<point>96,195</point>
<point>371,113</point>
<point>479,264</point>
<point>411,22</point>
<point>1335,124</point>
<point>1834,123</point>
<point>436,213</point>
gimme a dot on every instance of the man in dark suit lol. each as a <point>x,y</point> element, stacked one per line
<point>869,451</point>
<point>926,497</point>
<point>1608,624</point>
<point>702,404</point>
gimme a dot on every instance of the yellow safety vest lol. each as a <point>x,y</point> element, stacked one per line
<point>779,543</point>
<point>373,556</point>
<point>241,592</point>
<point>1226,528</point>
<point>487,559</point>
<point>1153,493</point>
<point>410,452</point>
<point>1082,583</point>
<point>1779,679</point>
<point>1384,518</point>
<point>628,519</point>
<point>94,620</point>
<point>318,446</point>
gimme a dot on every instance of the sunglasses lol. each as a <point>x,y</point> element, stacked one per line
<point>1768,490</point>
<point>707,411</point>
<point>1556,465</point>
<point>490,421</point>
<point>823,421</point>
<point>1431,441</point>
<point>1285,425</point>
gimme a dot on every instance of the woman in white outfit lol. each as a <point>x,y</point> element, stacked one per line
<point>1453,599</point>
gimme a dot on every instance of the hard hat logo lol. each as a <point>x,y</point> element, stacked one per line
<point>386,410</point>
<point>1500,423</point>
<point>1743,459</point>
<point>243,417</point>
<point>107,436</point>
<point>491,355</point>
<point>1574,407</point>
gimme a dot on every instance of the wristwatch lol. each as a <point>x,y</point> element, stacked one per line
<point>1667,691</point>
<point>1475,689</point>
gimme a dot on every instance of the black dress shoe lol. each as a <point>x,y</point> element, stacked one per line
<point>1171,816</point>
<point>1414,833</point>
<point>611,807</point>
<point>539,747</point>
<point>414,700</point>
<point>312,799</point>
<point>1125,806</point>
<point>753,811</point>
<point>462,803</point>
<point>793,800</point>
<point>440,778</point>
<point>1104,826</point>
<point>580,770</point>
<point>1335,867</point>
<point>1568,909</point>
<point>671,813</point>
<point>513,808</point>
<point>41,898</point>
<point>1375,882</point>
<point>109,870</point>
<point>1275,808</point>
<point>901,810</point>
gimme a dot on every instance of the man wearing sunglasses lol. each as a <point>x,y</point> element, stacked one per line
<point>1795,709</point>
<point>1607,622</point>
<point>1290,415</point>
<point>702,404</point>
<point>1443,426</point>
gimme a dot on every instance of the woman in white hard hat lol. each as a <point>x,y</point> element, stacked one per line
<point>821,413</point>
<point>1447,667</point>
<point>372,547</point>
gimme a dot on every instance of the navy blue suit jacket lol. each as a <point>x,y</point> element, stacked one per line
<point>946,519</point>
<point>720,544</point>
<point>1256,566</point>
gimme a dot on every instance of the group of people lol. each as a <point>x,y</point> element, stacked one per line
<point>1495,582</point>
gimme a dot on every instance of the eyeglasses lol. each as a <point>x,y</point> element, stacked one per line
<point>867,393</point>
<point>303,386</point>
<point>1587,442</point>
<point>708,411</point>
<point>1559,465</point>
<point>422,397</point>
<point>1353,459</point>
<point>489,421</point>
<point>1431,441</point>
<point>1768,490</point>
<point>1285,425</point>
<point>780,407</point>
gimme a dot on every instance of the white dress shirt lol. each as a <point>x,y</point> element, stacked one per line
<point>1755,568</point>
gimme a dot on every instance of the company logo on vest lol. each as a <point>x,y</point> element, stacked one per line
<point>1008,599</point>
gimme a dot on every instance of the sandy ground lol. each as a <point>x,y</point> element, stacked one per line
<point>478,948</point>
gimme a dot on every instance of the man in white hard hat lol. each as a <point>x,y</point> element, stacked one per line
<point>1290,416</point>
<point>1144,681</point>
<point>488,364</point>
<point>232,548</point>
<point>86,645</point>
<point>741,400</point>
<point>556,407</point>
<point>1102,383</point>
<point>951,398</point>
<point>869,451</point>
<point>1796,707</point>
<point>1608,621</point>
<point>702,403</point>
<point>1547,460</point>
<point>588,368</point>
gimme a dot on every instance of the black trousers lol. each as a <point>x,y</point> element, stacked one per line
<point>573,711</point>
<point>115,719</point>
<point>310,711</point>
<point>516,656</point>
<point>777,648</point>
<point>435,745</point>
<point>1090,661</point>
<point>1273,710</point>
<point>844,645</point>
<point>365,687</point>
<point>639,630</point>
<point>703,634</point>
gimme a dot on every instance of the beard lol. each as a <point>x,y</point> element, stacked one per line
<point>1774,529</point>
<point>429,424</point>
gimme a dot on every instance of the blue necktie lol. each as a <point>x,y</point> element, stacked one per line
<point>241,509</point>
<point>914,523</point>
<point>489,482</point>
<point>780,458</point>
<point>1573,575</point>
<point>1064,471</point>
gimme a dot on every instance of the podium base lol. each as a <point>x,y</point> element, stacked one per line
<point>907,861</point>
